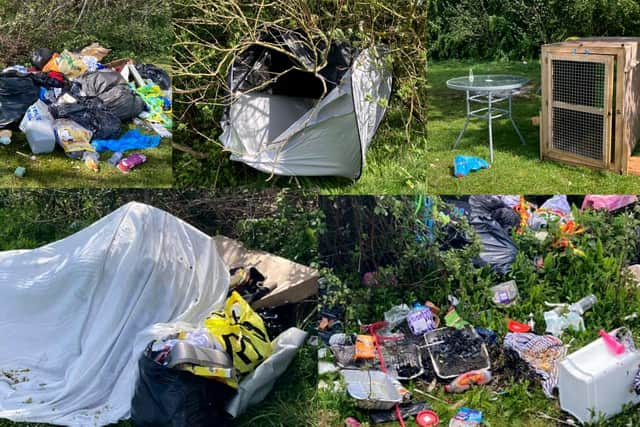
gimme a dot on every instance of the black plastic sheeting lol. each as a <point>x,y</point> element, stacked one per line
<point>92,114</point>
<point>156,74</point>
<point>498,250</point>
<point>114,92</point>
<point>258,64</point>
<point>17,92</point>
<point>493,207</point>
<point>167,397</point>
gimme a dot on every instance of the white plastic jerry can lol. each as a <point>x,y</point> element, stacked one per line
<point>595,384</point>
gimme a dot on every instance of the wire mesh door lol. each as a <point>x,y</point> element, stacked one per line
<point>578,106</point>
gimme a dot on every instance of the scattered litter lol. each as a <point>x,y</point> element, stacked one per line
<point>421,320</point>
<point>466,417</point>
<point>32,158</point>
<point>327,368</point>
<point>131,162</point>
<point>5,137</point>
<point>611,203</point>
<point>71,98</point>
<point>517,327</point>
<point>115,159</point>
<point>456,351</point>
<point>565,316</point>
<point>427,418</point>
<point>541,352</point>
<point>132,140</point>
<point>351,422</point>
<point>505,293</point>
<point>373,389</point>
<point>463,165</point>
<point>614,346</point>
<point>20,172</point>
<point>406,411</point>
<point>465,381</point>
<point>594,382</point>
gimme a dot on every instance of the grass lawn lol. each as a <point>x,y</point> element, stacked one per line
<point>57,170</point>
<point>516,169</point>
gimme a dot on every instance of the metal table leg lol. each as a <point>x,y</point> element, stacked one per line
<point>490,119</point>
<point>466,123</point>
<point>513,122</point>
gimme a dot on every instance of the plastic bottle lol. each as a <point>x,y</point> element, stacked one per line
<point>471,77</point>
<point>584,304</point>
<point>115,159</point>
<point>463,382</point>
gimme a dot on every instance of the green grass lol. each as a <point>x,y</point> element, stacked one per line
<point>57,170</point>
<point>516,169</point>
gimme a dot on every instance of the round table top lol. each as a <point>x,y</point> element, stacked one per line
<point>488,83</point>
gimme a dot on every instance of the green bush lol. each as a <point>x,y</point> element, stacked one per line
<point>138,29</point>
<point>515,29</point>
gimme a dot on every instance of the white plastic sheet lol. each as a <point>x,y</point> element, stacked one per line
<point>257,385</point>
<point>76,314</point>
<point>292,137</point>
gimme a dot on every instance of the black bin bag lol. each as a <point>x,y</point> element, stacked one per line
<point>156,74</point>
<point>91,114</point>
<point>166,397</point>
<point>498,250</point>
<point>17,92</point>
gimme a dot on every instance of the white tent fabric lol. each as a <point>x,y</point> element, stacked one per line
<point>75,315</point>
<point>290,136</point>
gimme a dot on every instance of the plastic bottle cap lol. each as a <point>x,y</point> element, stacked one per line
<point>427,418</point>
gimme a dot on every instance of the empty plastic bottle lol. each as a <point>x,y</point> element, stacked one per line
<point>115,159</point>
<point>584,304</point>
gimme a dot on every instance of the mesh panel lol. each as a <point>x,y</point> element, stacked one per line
<point>579,82</point>
<point>579,133</point>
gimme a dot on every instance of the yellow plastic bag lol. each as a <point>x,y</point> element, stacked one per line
<point>70,64</point>
<point>241,333</point>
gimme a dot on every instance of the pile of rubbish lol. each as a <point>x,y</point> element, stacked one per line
<point>196,376</point>
<point>74,100</point>
<point>385,367</point>
<point>155,325</point>
<point>411,343</point>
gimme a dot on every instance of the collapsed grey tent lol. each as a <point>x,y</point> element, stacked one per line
<point>283,121</point>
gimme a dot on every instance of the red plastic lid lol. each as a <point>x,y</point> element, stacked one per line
<point>517,327</point>
<point>427,418</point>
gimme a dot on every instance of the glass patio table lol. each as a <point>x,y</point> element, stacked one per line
<point>488,90</point>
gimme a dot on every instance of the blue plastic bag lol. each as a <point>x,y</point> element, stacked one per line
<point>463,165</point>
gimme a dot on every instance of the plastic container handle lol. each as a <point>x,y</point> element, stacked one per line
<point>615,346</point>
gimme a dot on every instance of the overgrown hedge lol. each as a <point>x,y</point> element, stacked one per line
<point>134,28</point>
<point>515,29</point>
